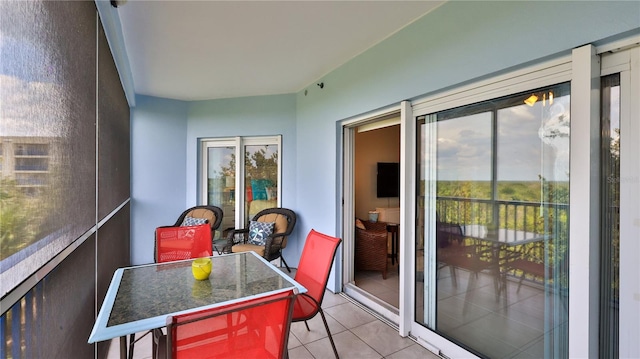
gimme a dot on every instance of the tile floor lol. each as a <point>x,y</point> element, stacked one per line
<point>386,290</point>
<point>356,333</point>
<point>516,331</point>
<point>513,326</point>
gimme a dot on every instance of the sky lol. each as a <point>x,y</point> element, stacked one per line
<point>531,141</point>
<point>30,96</point>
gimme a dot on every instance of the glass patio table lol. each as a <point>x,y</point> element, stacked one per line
<point>501,241</point>
<point>501,236</point>
<point>140,298</point>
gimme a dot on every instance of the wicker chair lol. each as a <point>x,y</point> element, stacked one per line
<point>212,214</point>
<point>371,247</point>
<point>285,221</point>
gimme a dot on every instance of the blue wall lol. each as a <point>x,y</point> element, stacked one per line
<point>457,43</point>
<point>158,170</point>
<point>165,136</point>
<point>246,116</point>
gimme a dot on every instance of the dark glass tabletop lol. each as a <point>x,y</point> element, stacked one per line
<point>141,297</point>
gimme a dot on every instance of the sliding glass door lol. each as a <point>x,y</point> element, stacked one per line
<point>619,325</point>
<point>491,256</point>
<point>240,188</point>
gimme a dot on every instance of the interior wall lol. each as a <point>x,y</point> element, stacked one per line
<point>371,147</point>
<point>158,170</point>
<point>246,116</point>
<point>165,155</point>
<point>447,47</point>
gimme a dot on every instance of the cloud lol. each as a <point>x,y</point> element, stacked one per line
<point>464,147</point>
<point>32,109</point>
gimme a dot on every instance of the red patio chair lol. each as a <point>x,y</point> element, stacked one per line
<point>313,273</point>
<point>256,328</point>
<point>184,240</point>
<point>172,244</point>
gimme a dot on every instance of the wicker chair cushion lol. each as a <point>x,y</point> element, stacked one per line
<point>203,213</point>
<point>190,221</point>
<point>280,224</point>
<point>245,247</point>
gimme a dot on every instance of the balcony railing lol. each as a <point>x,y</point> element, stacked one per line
<point>534,219</point>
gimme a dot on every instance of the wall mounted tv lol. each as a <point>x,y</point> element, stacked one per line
<point>388,180</point>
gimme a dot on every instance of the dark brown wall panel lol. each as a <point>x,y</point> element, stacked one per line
<point>113,253</point>
<point>113,134</point>
<point>49,91</point>
<point>65,318</point>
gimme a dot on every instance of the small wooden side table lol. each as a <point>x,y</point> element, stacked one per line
<point>393,228</point>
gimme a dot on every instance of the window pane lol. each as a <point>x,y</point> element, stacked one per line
<point>463,160</point>
<point>114,134</point>
<point>494,191</point>
<point>610,218</point>
<point>259,184</point>
<point>221,184</point>
<point>261,178</point>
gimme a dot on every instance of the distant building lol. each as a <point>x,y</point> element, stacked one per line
<point>27,160</point>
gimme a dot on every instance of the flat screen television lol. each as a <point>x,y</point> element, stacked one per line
<point>388,180</point>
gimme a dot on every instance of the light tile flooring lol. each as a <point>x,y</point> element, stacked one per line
<point>511,325</point>
<point>386,290</point>
<point>516,327</point>
<point>356,333</point>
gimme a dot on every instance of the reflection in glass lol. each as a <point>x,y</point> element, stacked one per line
<point>610,218</point>
<point>493,210</point>
<point>247,186</point>
<point>221,184</point>
<point>261,178</point>
<point>48,133</point>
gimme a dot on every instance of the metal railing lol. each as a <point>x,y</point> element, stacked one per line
<point>544,219</point>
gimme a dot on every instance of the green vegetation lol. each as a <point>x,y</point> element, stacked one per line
<point>260,166</point>
<point>524,191</point>
<point>534,206</point>
<point>257,165</point>
<point>540,207</point>
<point>21,217</point>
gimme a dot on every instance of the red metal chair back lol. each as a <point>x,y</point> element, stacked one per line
<point>313,273</point>
<point>257,328</point>
<point>187,242</point>
<point>314,268</point>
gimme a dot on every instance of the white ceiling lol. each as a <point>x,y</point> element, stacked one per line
<point>197,50</point>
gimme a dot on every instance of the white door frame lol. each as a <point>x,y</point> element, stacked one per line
<point>541,75</point>
<point>581,67</point>
<point>349,126</point>
<point>627,64</point>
